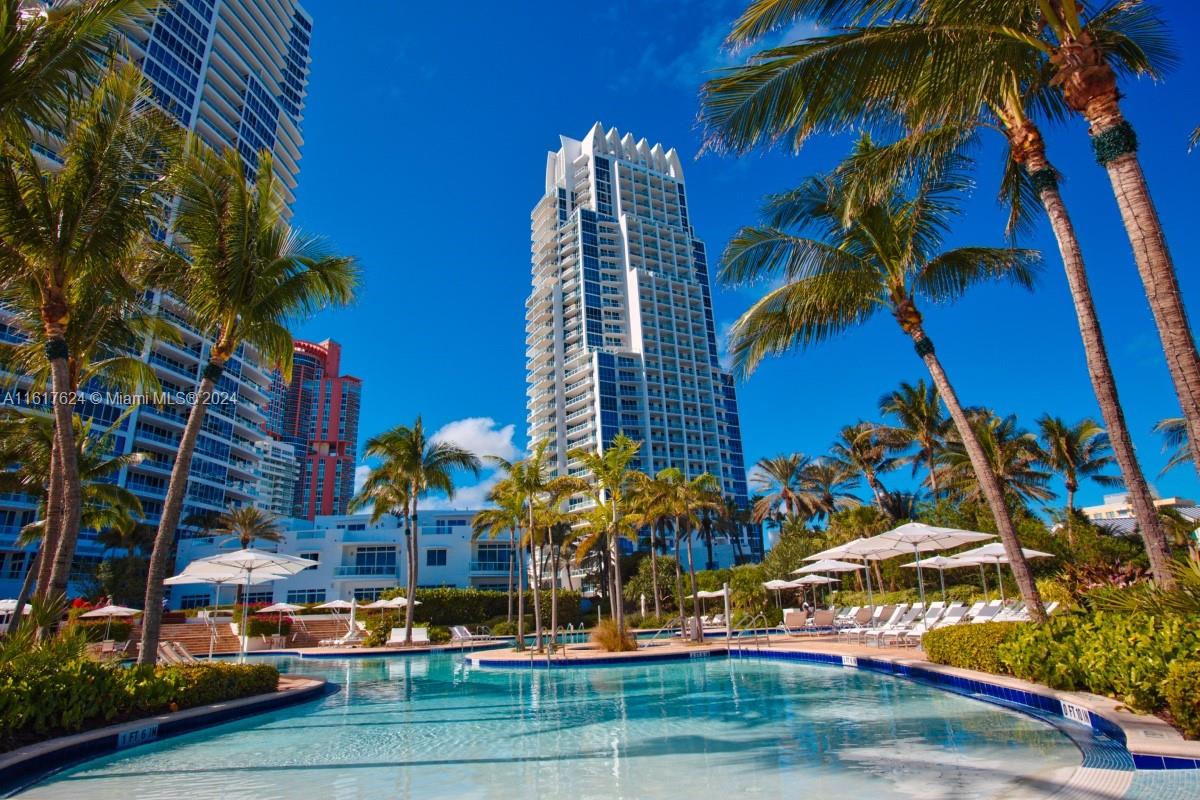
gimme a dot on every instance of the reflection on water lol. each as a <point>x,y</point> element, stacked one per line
<point>435,726</point>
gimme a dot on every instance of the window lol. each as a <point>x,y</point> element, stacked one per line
<point>261,596</point>
<point>194,601</point>
<point>306,596</point>
<point>368,594</point>
<point>312,557</point>
<point>435,558</point>
<point>375,557</point>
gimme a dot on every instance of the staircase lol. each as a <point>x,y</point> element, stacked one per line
<point>195,638</point>
<point>316,630</point>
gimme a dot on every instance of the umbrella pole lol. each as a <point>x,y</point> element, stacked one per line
<point>920,580</point>
<point>870,596</point>
<point>1000,580</point>
<point>942,578</point>
<point>983,578</point>
<point>243,631</point>
<point>108,626</point>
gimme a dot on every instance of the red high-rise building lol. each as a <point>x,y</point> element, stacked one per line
<point>317,413</point>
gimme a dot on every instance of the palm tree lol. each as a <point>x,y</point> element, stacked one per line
<point>609,486</point>
<point>248,524</point>
<point>115,149</point>
<point>1076,452</point>
<point>1014,455</point>
<point>863,449</point>
<point>248,276</point>
<point>779,480</point>
<point>828,485</point>
<point>647,500</point>
<point>948,70</point>
<point>733,520</point>
<point>505,517</point>
<point>1174,431</point>
<point>412,465</point>
<point>556,522</point>
<point>920,423</point>
<point>51,55</point>
<point>882,257</point>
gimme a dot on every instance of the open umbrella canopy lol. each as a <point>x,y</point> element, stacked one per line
<point>919,537</point>
<point>336,604</point>
<point>279,608</point>
<point>813,579</point>
<point>942,562</point>
<point>994,554</point>
<point>828,565</point>
<point>251,560</point>
<point>778,585</point>
<point>221,576</point>
<point>111,611</point>
<point>717,593</point>
<point>395,602</point>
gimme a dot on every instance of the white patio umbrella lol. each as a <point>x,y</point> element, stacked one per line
<point>994,554</point>
<point>778,586</point>
<point>342,605</point>
<point>252,562</point>
<point>217,577</point>
<point>917,538</point>
<point>814,581</point>
<point>280,609</point>
<point>860,549</point>
<point>941,564</point>
<point>108,612</point>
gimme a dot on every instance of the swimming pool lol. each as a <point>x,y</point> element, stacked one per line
<point>436,726</point>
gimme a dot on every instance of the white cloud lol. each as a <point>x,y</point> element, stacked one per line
<point>467,497</point>
<point>481,436</point>
<point>360,476</point>
<point>723,330</point>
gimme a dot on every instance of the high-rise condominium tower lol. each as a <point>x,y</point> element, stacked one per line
<point>235,73</point>
<point>317,413</point>
<point>619,323</point>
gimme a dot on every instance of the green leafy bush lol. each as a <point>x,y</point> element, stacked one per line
<point>450,606</point>
<point>504,628</point>
<point>1181,689</point>
<point>969,646</point>
<point>94,630</point>
<point>266,626</point>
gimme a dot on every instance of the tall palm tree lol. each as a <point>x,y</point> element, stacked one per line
<point>1174,431</point>
<point>66,234</point>
<point>1076,452</point>
<point>948,69</point>
<point>863,449</point>
<point>505,517</point>
<point>556,522</point>
<point>1014,455</point>
<point>829,485</point>
<point>779,481</point>
<point>609,480</point>
<point>919,423</point>
<point>882,257</point>
<point>52,54</point>
<point>648,503</point>
<point>412,465</point>
<point>734,520</point>
<point>248,276</point>
<point>248,524</point>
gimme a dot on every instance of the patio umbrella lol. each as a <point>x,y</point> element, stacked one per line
<point>217,577</point>
<point>108,612</point>
<point>814,581</point>
<point>777,586</point>
<point>994,554</point>
<point>917,538</point>
<point>281,609</point>
<point>941,564</point>
<point>860,549</point>
<point>252,562</point>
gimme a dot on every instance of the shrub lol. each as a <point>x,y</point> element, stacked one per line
<point>651,622</point>
<point>969,646</point>
<point>504,628</point>
<point>268,626</point>
<point>609,638</point>
<point>1181,689</point>
<point>450,606</point>
<point>94,630</point>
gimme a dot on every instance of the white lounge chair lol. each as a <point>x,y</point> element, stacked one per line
<point>896,624</point>
<point>986,614</point>
<point>350,638</point>
<point>922,623</point>
<point>953,615</point>
<point>794,622</point>
<point>879,616</point>
<point>396,638</point>
<point>461,633</point>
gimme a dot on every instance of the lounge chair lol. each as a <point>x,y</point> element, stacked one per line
<point>903,623</point>
<point>821,622</point>
<point>461,633</point>
<point>794,622</point>
<point>986,614</point>
<point>846,617</point>
<point>952,615</point>
<point>350,638</point>
<point>879,616</point>
<point>975,608</point>
<point>922,623</point>
<point>396,638</point>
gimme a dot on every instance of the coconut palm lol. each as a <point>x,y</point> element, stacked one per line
<point>610,481</point>
<point>1014,455</point>
<point>505,517</point>
<point>249,275</point>
<point>947,70</point>
<point>556,522</point>
<point>1174,432</point>
<point>1076,452</point>
<point>411,466</point>
<point>919,423</point>
<point>734,520</point>
<point>884,256</point>
<point>829,486</point>
<point>248,524</point>
<point>648,506</point>
<point>52,54</point>
<point>779,479</point>
<point>865,449</point>
<point>113,157</point>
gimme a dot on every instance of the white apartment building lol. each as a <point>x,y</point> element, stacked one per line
<point>619,323</point>
<point>358,559</point>
<point>1116,512</point>
<point>278,470</point>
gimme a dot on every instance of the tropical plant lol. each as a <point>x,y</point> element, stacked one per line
<point>735,520</point>
<point>52,54</point>
<point>1012,453</point>
<point>882,257</point>
<point>647,499</point>
<point>504,517</point>
<point>1174,432</point>
<point>865,449</point>
<point>115,150</point>
<point>779,480</point>
<point>945,70</point>
<point>920,423</point>
<point>1076,452</point>
<point>412,465</point>
<point>609,482</point>
<point>248,524</point>
<point>248,276</point>
<point>828,484</point>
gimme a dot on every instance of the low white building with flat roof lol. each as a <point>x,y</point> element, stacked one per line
<point>358,559</point>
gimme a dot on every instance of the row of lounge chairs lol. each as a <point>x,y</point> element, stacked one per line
<point>900,625</point>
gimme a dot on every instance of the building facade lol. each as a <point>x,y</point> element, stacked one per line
<point>277,472</point>
<point>1116,512</point>
<point>317,414</point>
<point>235,73</point>
<point>619,323</point>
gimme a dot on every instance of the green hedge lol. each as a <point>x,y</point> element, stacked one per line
<point>265,626</point>
<point>41,698</point>
<point>969,646</point>
<point>94,630</point>
<point>449,606</point>
<point>1182,692</point>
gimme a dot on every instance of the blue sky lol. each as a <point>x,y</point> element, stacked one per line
<point>426,131</point>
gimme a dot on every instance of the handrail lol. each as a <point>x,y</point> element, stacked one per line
<point>752,627</point>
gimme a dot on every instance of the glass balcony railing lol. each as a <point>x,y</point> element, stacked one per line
<point>365,570</point>
<point>489,566</point>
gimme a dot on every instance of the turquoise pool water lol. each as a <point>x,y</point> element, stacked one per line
<point>435,726</point>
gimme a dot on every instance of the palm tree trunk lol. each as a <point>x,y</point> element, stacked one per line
<point>1104,384</point>
<point>1070,516</point>
<point>53,522</point>
<point>697,629</point>
<point>164,540</point>
<point>520,556</point>
<point>679,583</point>
<point>984,473</point>
<point>538,630</point>
<point>708,550</point>
<point>654,575</point>
<point>24,592</point>
<point>512,547</point>
<point>1116,148</point>
<point>64,435</point>
<point>618,600</point>
<point>410,608</point>
<point>553,596</point>
<point>933,486</point>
